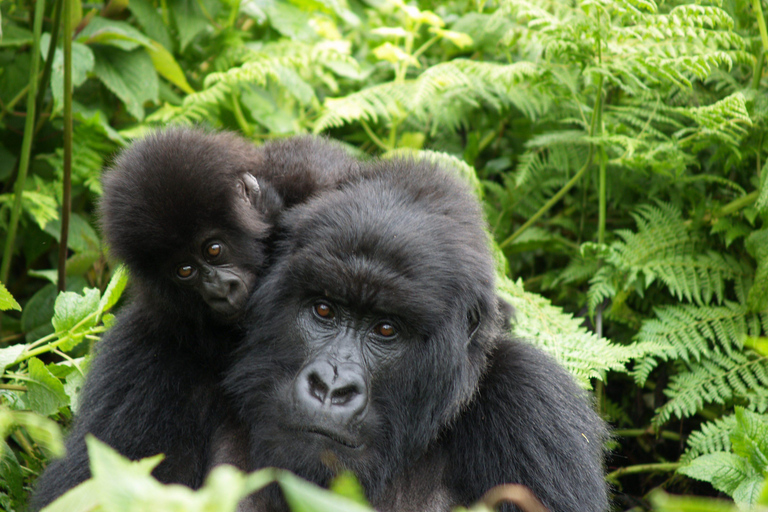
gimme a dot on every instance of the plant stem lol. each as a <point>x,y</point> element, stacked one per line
<point>13,387</point>
<point>383,145</point>
<point>761,23</point>
<point>738,204</point>
<point>643,468</point>
<point>66,206</point>
<point>596,114</point>
<point>637,432</point>
<point>48,62</point>
<point>26,144</point>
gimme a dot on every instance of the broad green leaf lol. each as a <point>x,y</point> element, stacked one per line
<point>113,33</point>
<point>44,432</point>
<point>130,75</point>
<point>289,20</point>
<point>458,38</point>
<point>393,54</point>
<point>81,238</point>
<point>14,35</point>
<point>37,313</point>
<point>73,384</point>
<point>748,491</point>
<point>295,85</point>
<point>750,439</point>
<point>114,289</point>
<point>79,263</point>
<point>45,392</point>
<point>189,20</point>
<point>9,355</point>
<point>11,479</point>
<point>41,207</point>
<point>7,301</point>
<point>167,66</point>
<point>303,496</point>
<point>82,64</point>
<point>152,22</point>
<point>83,498</point>
<point>71,310</point>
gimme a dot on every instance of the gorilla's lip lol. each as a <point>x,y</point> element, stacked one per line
<point>332,436</point>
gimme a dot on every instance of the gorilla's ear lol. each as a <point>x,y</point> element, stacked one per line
<point>248,188</point>
<point>473,321</point>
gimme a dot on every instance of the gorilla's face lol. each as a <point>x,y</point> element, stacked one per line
<point>369,335</point>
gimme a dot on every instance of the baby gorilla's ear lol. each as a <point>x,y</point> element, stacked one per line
<point>248,188</point>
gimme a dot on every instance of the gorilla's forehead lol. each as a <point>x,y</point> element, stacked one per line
<point>388,255</point>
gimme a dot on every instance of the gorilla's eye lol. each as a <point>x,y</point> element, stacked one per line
<point>185,271</point>
<point>213,249</point>
<point>385,329</point>
<point>324,311</point>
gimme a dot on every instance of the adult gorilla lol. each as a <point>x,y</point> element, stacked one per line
<point>378,346</point>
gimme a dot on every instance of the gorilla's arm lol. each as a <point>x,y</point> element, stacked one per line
<point>529,424</point>
<point>145,394</point>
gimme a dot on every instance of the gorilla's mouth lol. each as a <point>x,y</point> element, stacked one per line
<point>333,437</point>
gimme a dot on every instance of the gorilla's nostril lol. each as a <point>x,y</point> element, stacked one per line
<point>344,395</point>
<point>317,388</point>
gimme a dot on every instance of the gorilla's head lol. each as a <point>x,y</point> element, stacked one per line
<point>373,327</point>
<point>183,211</point>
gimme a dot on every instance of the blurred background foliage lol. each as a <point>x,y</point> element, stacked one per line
<point>619,148</point>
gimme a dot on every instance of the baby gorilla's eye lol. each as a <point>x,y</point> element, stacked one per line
<point>323,310</point>
<point>385,329</point>
<point>185,271</point>
<point>213,249</point>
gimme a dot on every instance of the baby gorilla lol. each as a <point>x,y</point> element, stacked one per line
<point>377,345</point>
<point>190,213</point>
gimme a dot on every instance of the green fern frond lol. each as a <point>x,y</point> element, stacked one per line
<point>721,378</point>
<point>665,249</point>
<point>582,352</point>
<point>383,101</point>
<point>713,436</point>
<point>726,120</point>
<point>693,333</point>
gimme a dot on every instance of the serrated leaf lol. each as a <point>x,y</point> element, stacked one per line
<point>9,355</point>
<point>11,479</point>
<point>75,314</point>
<point>7,301</point>
<point>749,490</point>
<point>762,199</point>
<point>43,431</point>
<point>725,471</point>
<point>114,289</point>
<point>130,75</point>
<point>750,439</point>
<point>45,392</point>
<point>82,64</point>
<point>81,498</point>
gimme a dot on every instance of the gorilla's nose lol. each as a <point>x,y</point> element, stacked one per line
<point>336,392</point>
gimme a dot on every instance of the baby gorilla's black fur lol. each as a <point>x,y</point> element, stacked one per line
<point>377,345</point>
<point>182,209</point>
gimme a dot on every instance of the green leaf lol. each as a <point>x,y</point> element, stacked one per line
<point>11,478</point>
<point>71,310</point>
<point>748,492</point>
<point>757,246</point>
<point>113,33</point>
<point>38,311</point>
<point>114,289</point>
<point>82,64</point>
<point>167,66</point>
<point>762,199</point>
<point>130,75</point>
<point>750,439</point>
<point>84,497</point>
<point>44,432</point>
<point>303,496</point>
<point>6,300</point>
<point>189,20</point>
<point>725,471</point>
<point>81,238</point>
<point>152,22</point>
<point>289,20</point>
<point>45,392</point>
<point>9,354</point>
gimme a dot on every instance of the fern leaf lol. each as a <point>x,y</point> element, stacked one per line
<point>718,379</point>
<point>712,436</point>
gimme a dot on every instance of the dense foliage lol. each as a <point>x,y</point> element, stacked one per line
<point>619,146</point>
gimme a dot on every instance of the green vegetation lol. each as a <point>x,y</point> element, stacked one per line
<point>620,148</point>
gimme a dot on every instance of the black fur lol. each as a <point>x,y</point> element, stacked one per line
<point>154,384</point>
<point>434,415</point>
